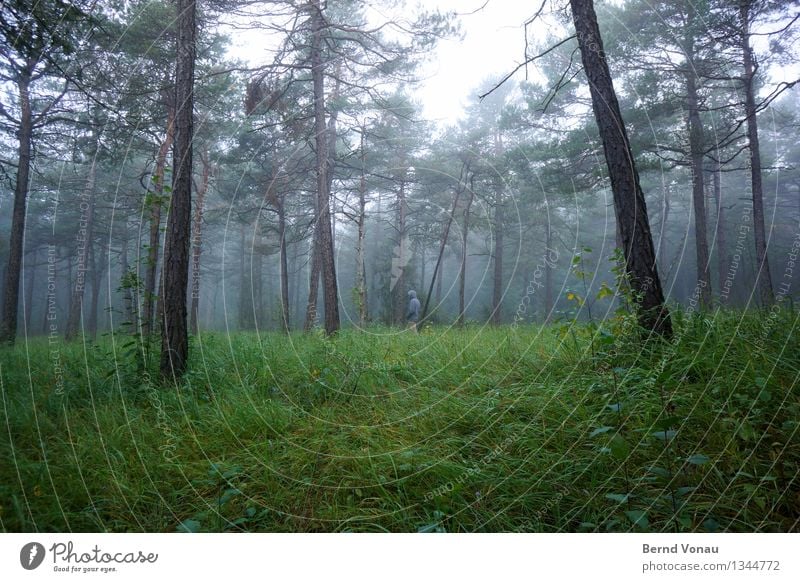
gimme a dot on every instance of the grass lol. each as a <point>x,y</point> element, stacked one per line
<point>459,430</point>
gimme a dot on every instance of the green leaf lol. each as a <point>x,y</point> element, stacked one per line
<point>711,525</point>
<point>760,382</point>
<point>606,337</point>
<point>638,518</point>
<point>616,407</point>
<point>600,430</point>
<point>697,459</point>
<point>619,448</point>
<point>666,423</point>
<point>232,472</point>
<point>227,495</point>
<point>189,526</point>
<point>619,498</point>
<point>605,291</point>
<point>661,472</point>
<point>681,491</point>
<point>665,435</point>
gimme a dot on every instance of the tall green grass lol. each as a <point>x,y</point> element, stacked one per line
<point>475,429</point>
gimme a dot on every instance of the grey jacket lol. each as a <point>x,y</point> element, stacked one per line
<point>413,307</point>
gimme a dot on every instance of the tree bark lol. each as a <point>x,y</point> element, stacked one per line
<point>285,313</point>
<point>313,279</point>
<point>629,202</point>
<point>8,326</point>
<point>156,202</point>
<point>98,260</point>
<point>696,145</point>
<point>324,241</point>
<point>721,238</point>
<point>400,258</point>
<point>127,284</point>
<point>295,287</point>
<point>463,271</point>
<point>175,271</point>
<point>260,316</point>
<point>763,276</point>
<point>548,274</point>
<point>29,293</point>
<point>197,243</point>
<point>662,236</point>
<point>361,277</point>
<point>85,236</point>
<point>442,245</point>
<point>499,228</point>
<point>245,281</point>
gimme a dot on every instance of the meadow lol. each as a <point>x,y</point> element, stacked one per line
<point>566,427</point>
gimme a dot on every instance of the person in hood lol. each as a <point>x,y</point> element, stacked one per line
<point>413,310</point>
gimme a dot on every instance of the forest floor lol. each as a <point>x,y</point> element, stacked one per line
<point>558,428</point>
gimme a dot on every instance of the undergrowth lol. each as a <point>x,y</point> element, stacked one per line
<point>515,428</point>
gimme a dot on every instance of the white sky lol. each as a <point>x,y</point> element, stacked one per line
<point>493,44</point>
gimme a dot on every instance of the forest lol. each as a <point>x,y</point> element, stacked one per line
<point>250,282</point>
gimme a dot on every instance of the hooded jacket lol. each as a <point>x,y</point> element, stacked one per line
<point>413,307</point>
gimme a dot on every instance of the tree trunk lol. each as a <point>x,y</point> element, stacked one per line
<point>197,243</point>
<point>696,146</point>
<point>28,311</point>
<point>763,276</point>
<point>85,236</point>
<point>8,326</point>
<point>629,202</point>
<point>400,259</point>
<point>330,292</point>
<point>662,242</point>
<point>127,283</point>
<point>721,240</point>
<point>438,282</point>
<point>175,271</point>
<point>499,227</point>
<point>463,274</point>
<point>285,314</point>
<point>259,315</point>
<point>423,259</point>
<point>442,245</point>
<point>313,279</point>
<point>98,269</point>
<point>331,148</point>
<point>295,287</point>
<point>548,274</point>
<point>156,202</point>
<point>361,277</point>
<point>245,281</point>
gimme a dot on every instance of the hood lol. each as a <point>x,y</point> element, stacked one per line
<point>412,294</point>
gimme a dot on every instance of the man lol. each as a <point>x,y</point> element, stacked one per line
<point>413,310</point>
